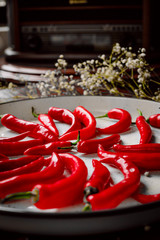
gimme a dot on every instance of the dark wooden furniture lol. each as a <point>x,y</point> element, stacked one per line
<point>130,23</point>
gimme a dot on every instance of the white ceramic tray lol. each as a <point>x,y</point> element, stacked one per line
<point>24,217</point>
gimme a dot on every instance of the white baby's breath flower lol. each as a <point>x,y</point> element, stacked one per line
<point>85,93</point>
<point>122,69</point>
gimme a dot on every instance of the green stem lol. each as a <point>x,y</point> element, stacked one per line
<point>78,139</point>
<point>106,115</point>
<point>34,113</point>
<point>87,207</point>
<point>1,116</point>
<point>73,143</point>
<point>155,81</point>
<point>18,196</point>
<point>140,112</point>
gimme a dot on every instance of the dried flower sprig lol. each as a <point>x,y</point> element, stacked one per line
<point>122,72</point>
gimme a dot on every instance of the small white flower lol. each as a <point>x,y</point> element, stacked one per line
<point>85,93</point>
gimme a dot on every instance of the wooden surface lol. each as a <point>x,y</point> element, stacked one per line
<point>20,74</point>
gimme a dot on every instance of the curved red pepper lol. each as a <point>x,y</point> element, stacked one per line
<point>48,148</point>
<point>144,129</point>
<point>65,116</point>
<point>19,125</point>
<point>122,125</point>
<point>144,198</point>
<point>3,157</point>
<point>15,138</point>
<point>154,120</point>
<point>18,148</point>
<point>146,147</point>
<point>16,163</point>
<point>62,193</point>
<point>48,122</point>
<point>31,167</point>
<point>91,145</point>
<point>149,161</point>
<point>114,195</point>
<point>98,180</point>
<point>67,191</point>
<point>88,120</point>
<point>53,171</point>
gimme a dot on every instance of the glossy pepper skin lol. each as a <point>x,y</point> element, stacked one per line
<point>65,116</point>
<point>3,157</point>
<point>98,180</point>
<point>154,120</point>
<point>91,145</point>
<point>111,197</point>
<point>144,130</point>
<point>88,120</point>
<point>143,198</point>
<point>48,122</point>
<point>122,125</point>
<point>48,148</point>
<point>25,182</point>
<point>15,138</point>
<point>144,161</point>
<point>17,125</point>
<point>146,147</point>
<point>31,167</point>
<point>20,126</point>
<point>67,191</point>
<point>18,148</point>
<point>16,163</point>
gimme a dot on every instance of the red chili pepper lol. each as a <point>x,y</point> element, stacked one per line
<point>48,148</point>
<point>18,148</point>
<point>144,129</point>
<point>65,116</point>
<point>143,198</point>
<point>10,164</point>
<point>111,197</point>
<point>149,161</point>
<point>67,191</point>
<point>15,138</point>
<point>31,167</point>
<point>91,145</point>
<point>3,157</point>
<point>43,133</point>
<point>53,171</point>
<point>48,122</point>
<point>88,120</point>
<point>64,192</point>
<point>98,180</point>
<point>154,120</point>
<point>19,125</point>
<point>122,125</point>
<point>146,147</point>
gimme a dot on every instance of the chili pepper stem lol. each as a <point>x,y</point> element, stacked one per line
<point>147,120</point>
<point>87,207</point>
<point>106,115</point>
<point>73,143</point>
<point>140,112</point>
<point>34,113</point>
<point>78,139</point>
<point>20,196</point>
<point>1,116</point>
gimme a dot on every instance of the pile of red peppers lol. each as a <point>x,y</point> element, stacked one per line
<point>39,171</point>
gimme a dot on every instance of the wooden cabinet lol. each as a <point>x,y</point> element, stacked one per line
<point>77,28</point>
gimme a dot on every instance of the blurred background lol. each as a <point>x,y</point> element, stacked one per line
<point>38,31</point>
